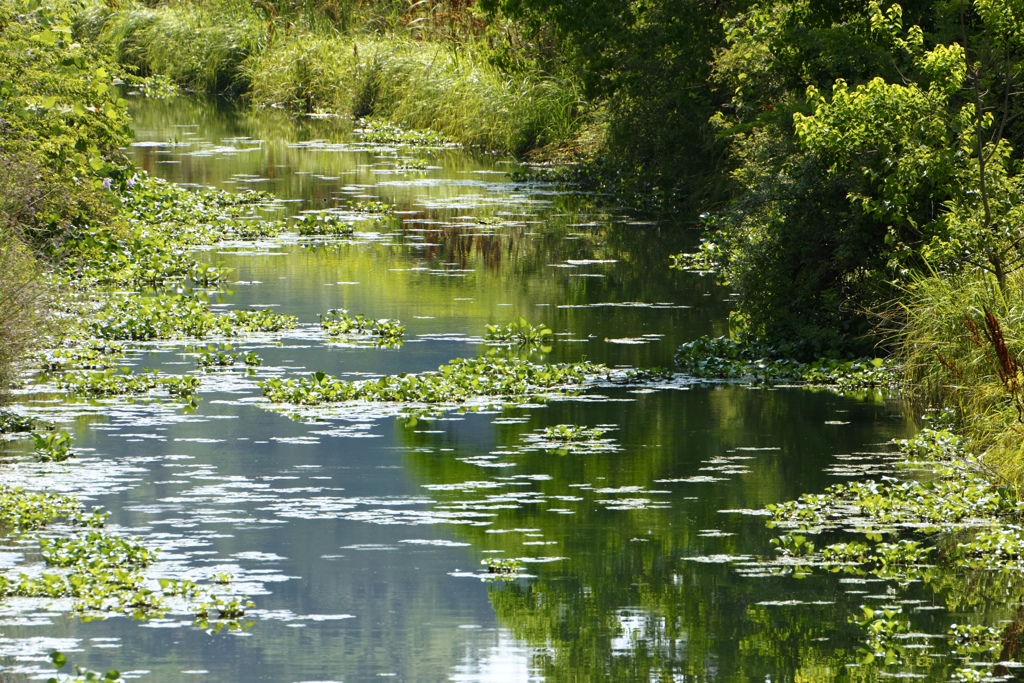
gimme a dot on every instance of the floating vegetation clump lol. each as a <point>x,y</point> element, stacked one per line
<point>53,446</point>
<point>94,354</point>
<point>158,223</point>
<point>412,165</point>
<point>113,383</point>
<point>13,423</point>
<point>955,532</point>
<point>82,675</point>
<point>518,332</point>
<point>177,316</point>
<point>372,207</point>
<point>324,223</point>
<point>456,382</point>
<point>383,133</point>
<point>339,324</point>
<point>566,438</point>
<point>218,359</point>
<point>756,361</point>
<point>101,571</point>
<point>502,568</point>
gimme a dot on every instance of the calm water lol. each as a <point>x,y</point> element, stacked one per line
<point>360,537</point>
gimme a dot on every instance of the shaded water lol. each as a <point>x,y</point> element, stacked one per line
<point>361,536</point>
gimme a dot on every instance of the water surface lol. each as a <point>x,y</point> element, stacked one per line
<point>361,536</point>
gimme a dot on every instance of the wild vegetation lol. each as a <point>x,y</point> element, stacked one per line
<point>855,165</point>
<point>455,382</point>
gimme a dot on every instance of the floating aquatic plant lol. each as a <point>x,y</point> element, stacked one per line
<point>113,383</point>
<point>13,423</point>
<point>456,382</point>
<point>339,324</point>
<point>81,674</point>
<point>384,133</point>
<point>567,438</point>
<point>93,354</point>
<point>174,316</point>
<point>502,568</point>
<point>753,360</point>
<point>53,446</point>
<point>518,332</point>
<point>324,223</point>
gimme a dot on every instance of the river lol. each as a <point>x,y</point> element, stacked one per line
<point>363,538</point>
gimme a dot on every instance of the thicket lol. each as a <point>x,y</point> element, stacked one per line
<point>61,126</point>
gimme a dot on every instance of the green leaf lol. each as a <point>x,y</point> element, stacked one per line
<point>58,659</point>
<point>47,37</point>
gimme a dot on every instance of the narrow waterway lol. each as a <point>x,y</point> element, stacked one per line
<point>362,537</point>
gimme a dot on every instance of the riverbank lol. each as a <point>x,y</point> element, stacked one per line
<point>407,74</point>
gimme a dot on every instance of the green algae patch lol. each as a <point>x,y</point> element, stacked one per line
<point>458,381</point>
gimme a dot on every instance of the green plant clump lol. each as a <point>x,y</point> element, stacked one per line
<point>385,133</point>
<point>81,674</point>
<point>175,316</point>
<point>518,332</point>
<point>324,223</point>
<point>53,446</point>
<point>951,530</point>
<point>571,433</point>
<point>112,383</point>
<point>458,381</point>
<point>94,354</point>
<point>337,323</point>
<point>754,360</point>
<point>13,423</point>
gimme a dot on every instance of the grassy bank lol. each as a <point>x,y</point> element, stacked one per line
<point>963,349</point>
<point>307,65</point>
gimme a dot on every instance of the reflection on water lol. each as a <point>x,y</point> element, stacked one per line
<point>364,539</point>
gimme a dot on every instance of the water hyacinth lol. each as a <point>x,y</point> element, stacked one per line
<point>339,324</point>
<point>753,360</point>
<point>456,382</point>
<point>177,316</point>
<point>111,383</point>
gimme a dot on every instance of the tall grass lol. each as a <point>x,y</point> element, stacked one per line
<point>413,63</point>
<point>421,85</point>
<point>201,46</point>
<point>963,348</point>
